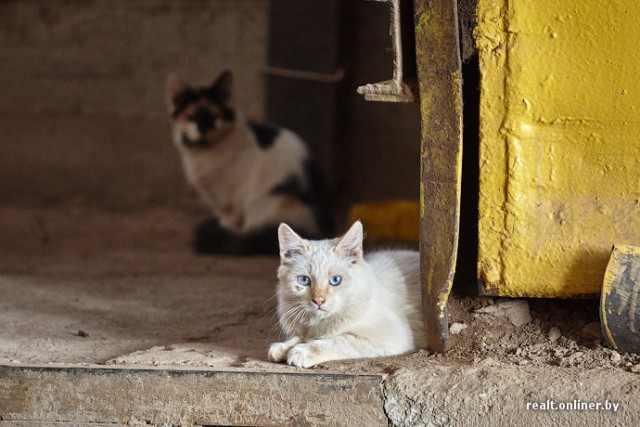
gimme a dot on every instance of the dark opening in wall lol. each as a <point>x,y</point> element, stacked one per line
<point>317,58</point>
<point>466,266</point>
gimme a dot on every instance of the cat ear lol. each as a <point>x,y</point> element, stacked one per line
<point>350,245</point>
<point>172,87</point>
<point>290,243</point>
<point>221,88</point>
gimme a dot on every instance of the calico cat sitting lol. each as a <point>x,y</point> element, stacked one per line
<point>252,176</point>
<point>335,303</point>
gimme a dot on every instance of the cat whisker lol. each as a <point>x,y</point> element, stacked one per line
<point>271,313</point>
<point>290,311</point>
<point>269,299</point>
<point>275,325</point>
<point>272,329</point>
<point>300,313</point>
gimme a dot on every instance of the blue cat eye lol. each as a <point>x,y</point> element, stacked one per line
<point>335,280</point>
<point>304,280</point>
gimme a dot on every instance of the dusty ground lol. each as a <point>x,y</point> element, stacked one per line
<point>92,287</point>
<point>96,287</point>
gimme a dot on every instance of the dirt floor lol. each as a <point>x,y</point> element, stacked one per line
<point>89,286</point>
<point>102,288</point>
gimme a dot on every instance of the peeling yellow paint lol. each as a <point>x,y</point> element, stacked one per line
<point>429,282</point>
<point>456,80</point>
<point>426,105</point>
<point>442,302</point>
<point>559,142</point>
<point>422,190</point>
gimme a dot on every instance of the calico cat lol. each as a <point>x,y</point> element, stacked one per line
<point>335,303</point>
<point>252,176</point>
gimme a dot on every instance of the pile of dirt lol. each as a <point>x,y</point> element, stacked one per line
<point>535,332</point>
<point>488,331</point>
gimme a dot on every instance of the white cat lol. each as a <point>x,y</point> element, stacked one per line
<point>335,303</point>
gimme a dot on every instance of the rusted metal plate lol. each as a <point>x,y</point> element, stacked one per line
<point>439,76</point>
<point>105,396</point>
<point>620,299</point>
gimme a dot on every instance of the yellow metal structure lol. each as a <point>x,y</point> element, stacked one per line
<point>559,142</point>
<point>440,88</point>
<point>397,220</point>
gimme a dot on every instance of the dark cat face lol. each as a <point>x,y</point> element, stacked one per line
<point>200,115</point>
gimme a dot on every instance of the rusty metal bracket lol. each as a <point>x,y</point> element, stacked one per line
<point>403,87</point>
<point>440,82</point>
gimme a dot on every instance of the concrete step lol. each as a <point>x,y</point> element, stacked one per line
<point>73,396</point>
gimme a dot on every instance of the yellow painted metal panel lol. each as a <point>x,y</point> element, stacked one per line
<point>389,219</point>
<point>559,142</point>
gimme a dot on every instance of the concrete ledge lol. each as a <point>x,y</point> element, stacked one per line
<point>495,394</point>
<point>34,395</point>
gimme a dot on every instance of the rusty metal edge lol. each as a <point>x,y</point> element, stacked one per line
<point>440,82</point>
<point>402,87</point>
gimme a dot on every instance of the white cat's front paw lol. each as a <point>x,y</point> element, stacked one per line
<point>304,356</point>
<point>278,351</point>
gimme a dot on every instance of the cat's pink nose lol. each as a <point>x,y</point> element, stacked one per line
<point>318,301</point>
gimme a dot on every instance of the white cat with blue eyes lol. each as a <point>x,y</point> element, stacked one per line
<point>335,303</point>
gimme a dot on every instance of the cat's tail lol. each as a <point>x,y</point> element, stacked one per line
<point>211,238</point>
